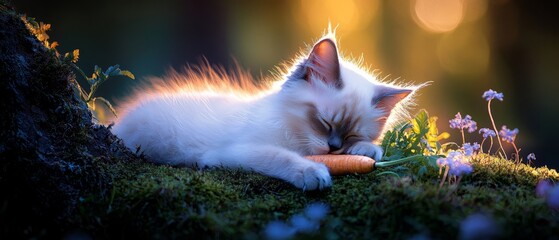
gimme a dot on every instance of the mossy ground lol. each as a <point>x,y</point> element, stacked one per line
<point>161,201</point>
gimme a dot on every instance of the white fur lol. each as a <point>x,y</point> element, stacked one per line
<point>210,128</point>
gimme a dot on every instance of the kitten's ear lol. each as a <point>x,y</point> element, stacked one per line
<point>323,62</point>
<point>387,97</point>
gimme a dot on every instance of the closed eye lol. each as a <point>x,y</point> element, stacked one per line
<point>350,136</point>
<point>326,124</point>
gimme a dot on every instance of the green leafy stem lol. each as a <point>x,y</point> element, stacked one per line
<point>97,78</point>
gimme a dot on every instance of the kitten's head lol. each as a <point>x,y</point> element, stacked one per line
<point>332,104</point>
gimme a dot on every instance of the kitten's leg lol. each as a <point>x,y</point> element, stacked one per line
<point>365,149</point>
<point>272,161</point>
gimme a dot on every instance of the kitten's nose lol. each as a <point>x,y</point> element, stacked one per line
<point>334,144</point>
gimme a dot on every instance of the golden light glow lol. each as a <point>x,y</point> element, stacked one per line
<point>464,52</point>
<point>474,9</point>
<point>438,15</point>
<point>350,15</point>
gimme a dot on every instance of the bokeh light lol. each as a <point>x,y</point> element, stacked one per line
<point>350,15</point>
<point>438,15</point>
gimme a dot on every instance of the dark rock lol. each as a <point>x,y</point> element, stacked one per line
<point>52,156</point>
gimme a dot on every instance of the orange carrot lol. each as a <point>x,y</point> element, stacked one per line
<point>345,164</point>
<point>348,164</point>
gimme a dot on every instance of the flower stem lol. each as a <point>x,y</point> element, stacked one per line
<point>517,160</point>
<point>490,146</point>
<point>444,177</point>
<point>463,138</point>
<point>495,127</point>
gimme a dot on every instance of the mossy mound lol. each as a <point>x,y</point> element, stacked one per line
<point>162,201</point>
<point>51,154</point>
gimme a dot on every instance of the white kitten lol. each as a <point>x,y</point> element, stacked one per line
<point>206,118</point>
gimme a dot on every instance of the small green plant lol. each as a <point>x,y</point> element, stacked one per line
<point>98,76</point>
<point>417,138</point>
<point>40,29</point>
<point>420,135</point>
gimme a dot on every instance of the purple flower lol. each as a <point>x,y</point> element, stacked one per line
<point>490,94</point>
<point>543,187</point>
<point>470,124</point>
<point>454,156</point>
<point>531,157</point>
<point>469,149</point>
<point>456,162</point>
<point>279,230</point>
<point>316,211</point>
<point>460,168</point>
<point>476,146</point>
<point>478,226</point>
<point>487,132</point>
<point>303,224</point>
<point>507,134</point>
<point>299,223</point>
<point>456,123</point>
<point>442,161</point>
<point>553,197</point>
<point>461,123</point>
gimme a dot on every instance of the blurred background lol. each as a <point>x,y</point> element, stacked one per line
<point>464,46</point>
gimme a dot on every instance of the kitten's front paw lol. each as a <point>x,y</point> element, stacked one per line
<point>366,149</point>
<point>313,177</point>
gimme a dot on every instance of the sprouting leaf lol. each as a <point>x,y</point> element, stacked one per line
<point>421,123</point>
<point>116,71</point>
<point>95,75</point>
<point>72,56</point>
<point>443,136</point>
<point>433,137</point>
<point>112,70</point>
<point>30,20</point>
<point>53,45</point>
<point>107,103</point>
<point>39,30</point>
<point>76,54</point>
<point>127,74</point>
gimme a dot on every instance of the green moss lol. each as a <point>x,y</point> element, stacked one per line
<point>161,201</point>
